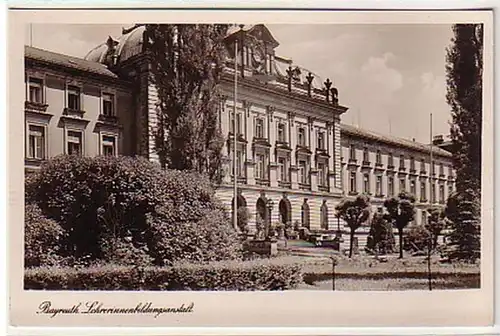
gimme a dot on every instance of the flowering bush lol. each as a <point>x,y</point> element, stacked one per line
<point>41,238</point>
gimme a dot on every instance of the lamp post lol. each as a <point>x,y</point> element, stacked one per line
<point>235,141</point>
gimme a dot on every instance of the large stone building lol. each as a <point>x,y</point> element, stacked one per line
<point>293,155</point>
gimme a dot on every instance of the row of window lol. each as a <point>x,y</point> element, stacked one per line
<point>281,131</point>
<point>37,143</point>
<point>73,96</point>
<point>353,187</point>
<point>261,169</point>
<point>390,161</point>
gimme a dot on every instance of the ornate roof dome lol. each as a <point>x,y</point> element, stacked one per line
<point>128,45</point>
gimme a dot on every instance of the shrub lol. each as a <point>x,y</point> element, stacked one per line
<point>41,238</point>
<point>207,239</point>
<point>381,237</point>
<point>243,218</point>
<point>116,209</point>
<point>252,275</point>
<point>417,238</point>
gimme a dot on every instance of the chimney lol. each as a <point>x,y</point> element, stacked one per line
<point>437,140</point>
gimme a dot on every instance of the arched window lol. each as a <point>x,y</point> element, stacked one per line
<point>324,216</point>
<point>305,214</point>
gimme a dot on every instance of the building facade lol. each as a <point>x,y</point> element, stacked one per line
<point>294,159</point>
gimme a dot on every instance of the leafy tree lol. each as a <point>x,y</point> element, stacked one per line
<point>464,71</point>
<point>464,239</point>
<point>354,213</point>
<point>400,212</point>
<point>436,222</point>
<point>187,61</point>
<point>243,218</point>
<point>381,238</point>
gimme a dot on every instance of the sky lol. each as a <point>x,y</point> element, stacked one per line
<point>390,76</point>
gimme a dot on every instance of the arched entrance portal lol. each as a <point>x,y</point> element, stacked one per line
<point>285,211</point>
<point>261,212</point>
<point>242,212</point>
<point>305,215</point>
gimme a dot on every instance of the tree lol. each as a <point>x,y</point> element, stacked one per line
<point>436,222</point>
<point>400,212</point>
<point>354,213</point>
<point>381,238</point>
<point>187,61</point>
<point>464,71</point>
<point>464,240</point>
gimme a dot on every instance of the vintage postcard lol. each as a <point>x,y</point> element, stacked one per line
<point>292,169</point>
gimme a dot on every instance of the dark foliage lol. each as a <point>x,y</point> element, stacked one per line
<point>187,61</point>
<point>400,212</point>
<point>41,238</point>
<point>464,95</point>
<point>106,206</point>
<point>381,238</point>
<point>354,213</point>
<point>240,276</point>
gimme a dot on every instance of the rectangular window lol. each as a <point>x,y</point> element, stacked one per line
<point>378,185</point>
<point>75,143</point>
<point>353,187</point>
<point>303,178</point>
<point>74,97</point>
<point>402,184</point>
<point>321,175</point>
<point>422,165</point>
<point>401,161</point>
<point>450,171</point>
<point>450,190</point>
<point>379,157</point>
<point>108,104</point>
<point>423,191</point>
<point>36,142</point>
<point>390,160</point>
<point>441,169</point>
<point>259,128</point>
<point>321,140</point>
<point>433,192</point>
<point>260,166</point>
<point>352,152</point>
<point>433,168</point>
<point>413,187</point>
<point>441,193</point>
<point>412,163</point>
<point>238,123</point>
<point>108,145</point>
<point>35,90</point>
<point>366,155</point>
<point>282,169</point>
<point>390,186</point>
<point>281,133</point>
<point>366,183</point>
<point>301,136</point>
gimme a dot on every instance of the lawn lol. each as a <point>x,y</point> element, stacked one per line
<point>364,272</point>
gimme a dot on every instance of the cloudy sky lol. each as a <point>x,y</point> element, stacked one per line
<point>390,76</point>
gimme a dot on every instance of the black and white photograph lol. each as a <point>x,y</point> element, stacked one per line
<point>253,156</point>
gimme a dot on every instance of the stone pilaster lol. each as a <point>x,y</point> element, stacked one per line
<point>250,172</point>
<point>337,154</point>
<point>294,171</point>
<point>273,175</point>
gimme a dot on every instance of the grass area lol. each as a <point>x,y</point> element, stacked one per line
<point>366,273</point>
<point>399,284</point>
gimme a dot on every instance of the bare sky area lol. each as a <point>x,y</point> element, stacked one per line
<point>390,76</point>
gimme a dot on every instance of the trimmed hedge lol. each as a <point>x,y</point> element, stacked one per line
<point>255,275</point>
